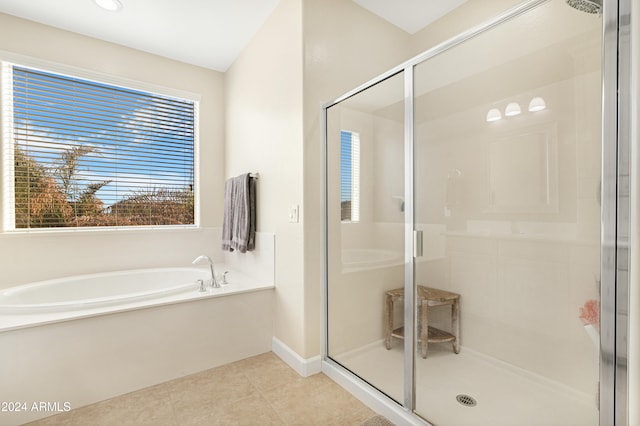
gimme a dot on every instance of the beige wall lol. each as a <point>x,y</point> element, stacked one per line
<point>264,135</point>
<point>29,257</point>
<point>459,20</point>
<point>306,53</point>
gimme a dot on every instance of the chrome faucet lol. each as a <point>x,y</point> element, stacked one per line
<point>199,259</point>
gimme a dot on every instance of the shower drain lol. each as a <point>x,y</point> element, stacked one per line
<point>466,400</point>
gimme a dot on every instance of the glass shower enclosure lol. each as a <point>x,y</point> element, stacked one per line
<point>464,211</point>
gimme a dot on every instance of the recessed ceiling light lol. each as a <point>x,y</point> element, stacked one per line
<point>110,5</point>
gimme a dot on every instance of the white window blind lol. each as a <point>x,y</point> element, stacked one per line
<point>85,153</point>
<point>349,176</point>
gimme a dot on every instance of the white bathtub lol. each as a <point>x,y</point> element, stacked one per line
<point>361,259</point>
<point>103,293</point>
<point>100,289</point>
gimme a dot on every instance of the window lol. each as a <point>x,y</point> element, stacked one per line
<point>81,153</point>
<point>349,176</point>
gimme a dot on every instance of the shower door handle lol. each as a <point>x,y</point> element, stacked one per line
<point>417,243</point>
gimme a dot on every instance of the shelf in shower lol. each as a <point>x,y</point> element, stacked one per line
<point>435,335</point>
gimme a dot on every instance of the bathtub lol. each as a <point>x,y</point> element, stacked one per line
<point>100,289</point>
<point>103,293</point>
<point>82,339</point>
<point>362,259</point>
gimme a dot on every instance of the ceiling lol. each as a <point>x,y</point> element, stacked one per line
<point>207,33</point>
<point>410,15</point>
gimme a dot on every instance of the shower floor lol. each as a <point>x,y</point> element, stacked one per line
<point>504,396</point>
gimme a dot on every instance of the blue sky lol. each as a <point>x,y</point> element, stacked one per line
<point>140,141</point>
<point>345,166</point>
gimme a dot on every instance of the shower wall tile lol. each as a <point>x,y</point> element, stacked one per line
<point>588,187</point>
<point>533,296</point>
<point>589,216</point>
<point>471,245</point>
<point>434,273</point>
<point>474,278</point>
<point>533,250</point>
<point>357,309</point>
<point>520,300</point>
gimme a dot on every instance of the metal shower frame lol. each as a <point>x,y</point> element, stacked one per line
<point>616,138</point>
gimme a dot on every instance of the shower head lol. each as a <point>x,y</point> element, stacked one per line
<point>589,6</point>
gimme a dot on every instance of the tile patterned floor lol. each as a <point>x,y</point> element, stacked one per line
<point>261,390</point>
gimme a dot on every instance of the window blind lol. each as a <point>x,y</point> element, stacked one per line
<point>92,154</point>
<point>349,176</point>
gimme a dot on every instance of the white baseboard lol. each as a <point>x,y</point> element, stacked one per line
<point>304,367</point>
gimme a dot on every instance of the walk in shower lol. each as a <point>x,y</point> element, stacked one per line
<point>470,224</point>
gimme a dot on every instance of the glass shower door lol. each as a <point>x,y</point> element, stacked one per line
<point>507,190</point>
<point>365,233</point>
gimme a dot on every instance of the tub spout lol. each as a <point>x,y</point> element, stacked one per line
<point>200,259</point>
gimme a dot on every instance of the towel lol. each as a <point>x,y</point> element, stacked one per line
<point>239,224</point>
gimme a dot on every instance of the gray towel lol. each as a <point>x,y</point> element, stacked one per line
<point>239,225</point>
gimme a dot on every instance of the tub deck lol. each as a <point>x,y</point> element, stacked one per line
<point>238,283</point>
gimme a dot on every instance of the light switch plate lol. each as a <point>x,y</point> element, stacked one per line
<point>294,213</point>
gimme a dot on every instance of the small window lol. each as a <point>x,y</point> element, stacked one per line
<point>81,153</point>
<point>349,176</point>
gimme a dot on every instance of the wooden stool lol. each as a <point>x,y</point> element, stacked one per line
<point>426,298</point>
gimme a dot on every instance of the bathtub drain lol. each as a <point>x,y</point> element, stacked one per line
<point>466,400</point>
